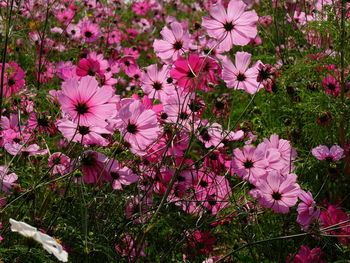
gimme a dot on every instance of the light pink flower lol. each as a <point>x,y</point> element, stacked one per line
<point>322,152</point>
<point>59,163</point>
<point>277,192</point>
<point>86,103</point>
<point>239,76</point>
<point>154,83</point>
<point>138,125</point>
<point>121,175</point>
<point>85,134</point>
<point>175,42</point>
<point>232,27</point>
<point>250,164</point>
<point>7,181</point>
<point>307,210</point>
<point>88,30</point>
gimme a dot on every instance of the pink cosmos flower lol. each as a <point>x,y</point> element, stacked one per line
<point>86,103</point>
<point>239,76</point>
<point>129,248</point>
<point>175,43</point>
<point>88,30</point>
<point>287,153</point>
<point>121,175</point>
<point>65,70</point>
<point>73,31</point>
<point>138,125</point>
<point>14,78</point>
<point>114,37</point>
<point>277,192</point>
<point>129,65</point>
<point>91,65</point>
<point>232,27</point>
<point>307,210</point>
<point>133,205</point>
<point>250,163</point>
<point>322,152</point>
<point>307,255</point>
<point>141,8</point>
<point>334,215</point>
<point>85,134</point>
<point>154,83</point>
<point>186,72</point>
<point>210,135</point>
<point>7,181</point>
<point>59,163</point>
<point>94,168</point>
<point>331,85</point>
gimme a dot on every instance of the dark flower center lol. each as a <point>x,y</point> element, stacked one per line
<point>131,128</point>
<point>17,140</point>
<point>183,116</point>
<point>56,160</point>
<point>229,26</point>
<point>241,77</point>
<point>263,75</point>
<point>248,164</point>
<point>127,63</point>
<point>157,86</point>
<point>177,45</point>
<point>164,116</point>
<point>73,32</point>
<point>190,74</point>
<point>91,72</point>
<point>169,80</point>
<point>219,105</point>
<point>43,121</point>
<point>88,34</point>
<point>81,108</point>
<point>203,184</point>
<point>205,135</point>
<point>11,82</point>
<point>276,196</point>
<point>88,159</point>
<point>83,130</point>
<point>329,159</point>
<point>115,175</point>
<point>331,87</point>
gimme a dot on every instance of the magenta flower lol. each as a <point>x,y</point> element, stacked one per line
<point>250,164</point>
<point>331,85</point>
<point>322,152</point>
<point>334,215</point>
<point>138,125</point>
<point>175,42</point>
<point>14,78</point>
<point>277,192</point>
<point>232,27</point>
<point>186,72</point>
<point>91,65</point>
<point>86,103</point>
<point>307,255</point>
<point>94,168</point>
<point>154,83</point>
<point>141,8</point>
<point>307,210</point>
<point>239,76</point>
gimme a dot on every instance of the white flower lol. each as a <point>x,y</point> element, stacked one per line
<point>49,243</point>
